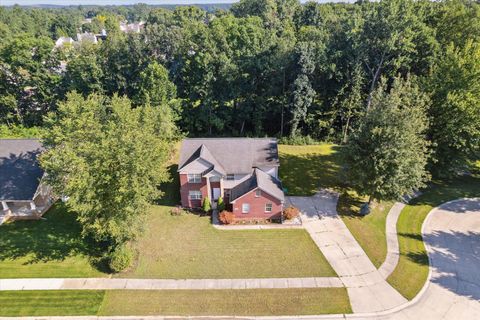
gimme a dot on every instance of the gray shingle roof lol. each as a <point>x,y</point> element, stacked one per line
<point>234,155</point>
<point>262,180</point>
<point>20,172</point>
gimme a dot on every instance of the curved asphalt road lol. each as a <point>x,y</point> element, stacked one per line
<point>452,237</point>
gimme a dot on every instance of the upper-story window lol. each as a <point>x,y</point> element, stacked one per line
<point>258,193</point>
<point>194,178</point>
<point>230,177</point>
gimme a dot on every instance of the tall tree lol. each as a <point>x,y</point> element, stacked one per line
<point>455,88</point>
<point>386,157</point>
<point>109,159</point>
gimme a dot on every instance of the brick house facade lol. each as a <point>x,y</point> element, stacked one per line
<point>243,171</point>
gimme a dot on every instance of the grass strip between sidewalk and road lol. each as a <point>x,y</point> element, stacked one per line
<point>247,302</point>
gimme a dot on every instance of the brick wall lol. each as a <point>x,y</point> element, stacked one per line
<point>185,187</point>
<point>257,206</point>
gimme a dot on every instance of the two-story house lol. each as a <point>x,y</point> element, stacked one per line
<point>243,171</point>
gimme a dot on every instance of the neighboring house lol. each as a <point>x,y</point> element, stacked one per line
<point>87,36</point>
<point>62,41</point>
<point>131,27</point>
<point>243,171</point>
<point>22,193</point>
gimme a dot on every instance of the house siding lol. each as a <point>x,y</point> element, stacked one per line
<point>257,206</point>
<point>185,187</point>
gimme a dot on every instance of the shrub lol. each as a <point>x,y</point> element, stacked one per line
<point>177,211</point>
<point>290,213</point>
<point>120,258</point>
<point>298,140</point>
<point>206,205</point>
<point>220,204</point>
<point>226,217</point>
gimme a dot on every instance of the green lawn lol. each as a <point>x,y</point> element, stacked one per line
<point>46,248</point>
<point>174,302</point>
<point>50,303</point>
<point>305,169</point>
<point>227,302</point>
<point>412,270</point>
<point>188,246</point>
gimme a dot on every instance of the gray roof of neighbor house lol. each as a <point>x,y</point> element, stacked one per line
<point>232,155</point>
<point>258,179</point>
<point>20,172</point>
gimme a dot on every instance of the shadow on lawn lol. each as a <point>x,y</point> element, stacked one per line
<point>171,189</point>
<point>303,174</point>
<point>54,238</point>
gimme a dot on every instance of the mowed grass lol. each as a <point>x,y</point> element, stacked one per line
<point>251,302</point>
<point>47,248</point>
<point>412,270</point>
<point>174,302</point>
<point>188,246</point>
<point>370,230</point>
<point>305,169</point>
<point>50,303</point>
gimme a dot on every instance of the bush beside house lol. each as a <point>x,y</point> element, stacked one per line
<point>206,205</point>
<point>226,217</point>
<point>290,213</point>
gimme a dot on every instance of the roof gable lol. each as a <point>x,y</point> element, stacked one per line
<point>260,180</point>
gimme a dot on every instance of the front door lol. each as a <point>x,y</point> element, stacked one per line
<point>216,193</point>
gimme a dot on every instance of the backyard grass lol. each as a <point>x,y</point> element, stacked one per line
<point>48,248</point>
<point>305,169</point>
<point>188,246</point>
<point>412,270</point>
<point>227,302</point>
<point>50,303</point>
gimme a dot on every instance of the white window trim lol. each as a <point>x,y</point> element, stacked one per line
<point>271,207</point>
<point>195,195</point>
<point>243,208</point>
<point>230,174</point>
<point>192,178</point>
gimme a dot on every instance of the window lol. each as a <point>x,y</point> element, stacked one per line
<point>195,195</point>
<point>245,208</point>
<point>258,193</point>
<point>230,177</point>
<point>268,207</point>
<point>194,178</point>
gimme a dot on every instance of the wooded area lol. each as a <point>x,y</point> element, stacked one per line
<point>264,67</point>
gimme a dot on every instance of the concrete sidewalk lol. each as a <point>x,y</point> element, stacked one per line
<point>367,289</point>
<point>168,284</point>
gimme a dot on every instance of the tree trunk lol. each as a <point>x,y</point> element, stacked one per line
<point>283,104</point>
<point>376,76</point>
<point>345,131</point>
